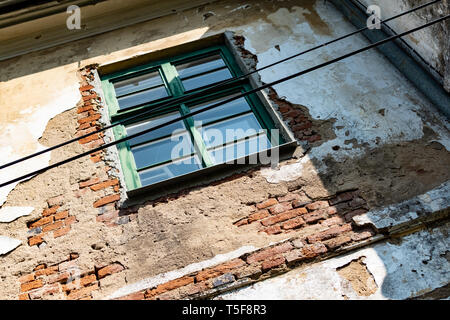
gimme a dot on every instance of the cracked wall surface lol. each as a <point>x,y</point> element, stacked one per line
<point>363,126</point>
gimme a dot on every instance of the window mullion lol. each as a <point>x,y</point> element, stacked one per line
<point>198,141</point>
<point>173,80</point>
<point>130,173</point>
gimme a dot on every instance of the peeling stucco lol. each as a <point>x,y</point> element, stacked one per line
<point>376,117</point>
<point>404,270</point>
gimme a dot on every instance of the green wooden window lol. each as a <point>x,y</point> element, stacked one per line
<point>228,132</point>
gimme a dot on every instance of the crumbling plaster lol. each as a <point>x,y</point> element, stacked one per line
<point>433,43</point>
<point>197,226</point>
<point>417,265</point>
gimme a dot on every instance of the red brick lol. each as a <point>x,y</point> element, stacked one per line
<point>241,222</point>
<point>293,113</point>
<point>48,289</point>
<point>330,233</point>
<point>31,285</point>
<point>280,207</point>
<point>96,159</point>
<point>58,200</point>
<point>337,220</point>
<point>108,270</point>
<point>267,203</point>
<point>342,197</point>
<point>306,252</point>
<point>193,288</point>
<point>300,203</point>
<point>357,203</point>
<point>85,108</point>
<point>47,271</point>
<point>84,281</point>
<point>24,296</point>
<point>337,242</point>
<point>80,293</point>
<point>133,296</point>
<point>40,267</point>
<point>86,87</point>
<point>284,109</point>
<point>106,200</point>
<point>61,232</point>
<point>258,215</point>
<point>315,216</point>
<point>59,277</point>
<point>272,263</point>
<point>283,216</point>
<point>88,139</point>
<point>50,211</point>
<point>317,205</point>
<point>89,119</point>
<point>219,270</point>
<point>62,215</point>
<point>41,222</point>
<point>26,278</point>
<point>72,285</point>
<point>273,230</point>
<point>53,226</point>
<point>105,184</point>
<point>174,284</point>
<point>314,138</point>
<point>269,252</point>
<point>247,271</point>
<point>89,97</point>
<point>293,223</point>
<point>94,144</point>
<point>70,220</point>
<point>362,234</point>
<point>85,126</point>
<point>289,197</point>
<point>35,240</point>
<point>348,216</point>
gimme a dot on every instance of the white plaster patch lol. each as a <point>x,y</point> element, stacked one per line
<point>8,244</point>
<point>9,214</point>
<point>416,266</point>
<point>26,133</point>
<point>370,100</point>
<point>432,201</point>
<point>171,275</point>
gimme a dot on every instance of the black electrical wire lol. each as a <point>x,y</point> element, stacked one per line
<point>207,90</point>
<point>319,66</point>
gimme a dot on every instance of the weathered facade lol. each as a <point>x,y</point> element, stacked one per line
<point>358,211</point>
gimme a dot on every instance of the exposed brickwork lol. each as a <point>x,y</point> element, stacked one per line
<point>289,214</point>
<point>64,278</point>
<point>54,221</point>
<point>260,264</point>
<point>106,186</point>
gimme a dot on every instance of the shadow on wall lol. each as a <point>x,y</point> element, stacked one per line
<point>386,173</point>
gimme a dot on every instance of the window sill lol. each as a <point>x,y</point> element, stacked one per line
<point>202,177</point>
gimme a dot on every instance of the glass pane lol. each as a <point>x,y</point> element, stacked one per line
<point>135,99</point>
<point>229,130</point>
<point>162,150</point>
<point>156,134</point>
<point>234,107</point>
<point>240,149</point>
<point>138,83</point>
<point>206,79</point>
<point>169,170</point>
<point>192,68</point>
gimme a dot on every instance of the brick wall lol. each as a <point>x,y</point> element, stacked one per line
<point>64,280</point>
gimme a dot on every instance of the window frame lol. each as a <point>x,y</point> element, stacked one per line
<point>167,70</point>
